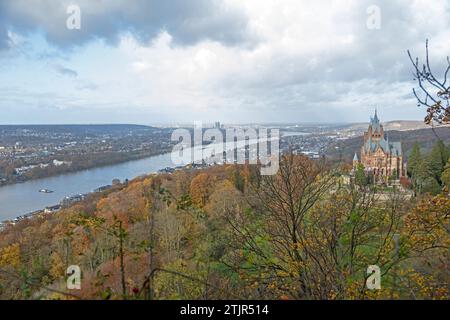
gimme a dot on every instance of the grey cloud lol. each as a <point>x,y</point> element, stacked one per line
<point>4,37</point>
<point>66,71</point>
<point>371,70</point>
<point>186,21</point>
<point>87,86</point>
<point>379,55</point>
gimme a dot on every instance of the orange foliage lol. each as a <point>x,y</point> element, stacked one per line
<point>201,188</point>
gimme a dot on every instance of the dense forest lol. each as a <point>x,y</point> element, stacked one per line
<point>226,232</point>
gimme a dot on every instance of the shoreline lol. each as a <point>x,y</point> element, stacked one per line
<point>137,157</point>
<point>74,199</point>
<point>51,208</point>
<point>160,170</point>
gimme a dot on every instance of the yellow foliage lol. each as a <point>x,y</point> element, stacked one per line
<point>10,256</point>
<point>201,188</point>
<point>57,265</point>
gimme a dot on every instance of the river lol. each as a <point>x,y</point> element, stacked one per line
<point>21,198</point>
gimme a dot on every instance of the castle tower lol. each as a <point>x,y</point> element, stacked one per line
<point>376,131</point>
<point>355,161</point>
<point>379,155</point>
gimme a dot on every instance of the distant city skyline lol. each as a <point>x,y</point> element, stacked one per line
<point>258,61</point>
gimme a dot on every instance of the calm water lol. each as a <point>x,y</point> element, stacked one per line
<point>21,198</point>
<point>18,199</point>
<point>294,133</point>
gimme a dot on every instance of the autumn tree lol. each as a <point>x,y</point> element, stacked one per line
<point>10,256</point>
<point>427,241</point>
<point>271,236</point>
<point>201,188</point>
<point>305,238</point>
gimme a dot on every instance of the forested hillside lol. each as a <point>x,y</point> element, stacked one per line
<point>226,232</point>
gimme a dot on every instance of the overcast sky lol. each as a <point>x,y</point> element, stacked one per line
<point>152,61</point>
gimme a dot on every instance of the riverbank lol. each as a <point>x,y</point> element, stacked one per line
<point>108,160</point>
<point>69,201</point>
<point>17,199</point>
<point>64,203</point>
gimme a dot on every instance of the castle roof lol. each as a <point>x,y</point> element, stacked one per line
<point>393,149</point>
<point>355,158</point>
<point>375,123</point>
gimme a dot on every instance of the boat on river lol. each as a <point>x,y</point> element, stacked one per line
<point>45,191</point>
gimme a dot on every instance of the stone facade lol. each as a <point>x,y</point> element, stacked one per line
<point>379,156</point>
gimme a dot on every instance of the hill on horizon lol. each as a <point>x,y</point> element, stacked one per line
<point>425,137</point>
<point>79,128</point>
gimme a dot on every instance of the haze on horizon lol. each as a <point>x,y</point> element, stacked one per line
<point>261,61</point>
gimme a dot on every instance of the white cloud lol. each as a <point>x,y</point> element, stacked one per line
<point>291,61</point>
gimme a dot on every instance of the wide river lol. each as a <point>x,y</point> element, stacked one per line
<point>21,198</point>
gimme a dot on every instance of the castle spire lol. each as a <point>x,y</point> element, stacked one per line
<point>375,118</point>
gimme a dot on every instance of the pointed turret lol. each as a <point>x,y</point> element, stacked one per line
<point>375,126</point>
<point>355,161</point>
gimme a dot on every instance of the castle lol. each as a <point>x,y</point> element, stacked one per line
<point>379,156</point>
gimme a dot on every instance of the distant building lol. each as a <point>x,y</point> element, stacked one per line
<point>217,125</point>
<point>68,201</point>
<point>379,156</point>
<point>52,209</point>
<point>103,188</point>
<point>58,163</point>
